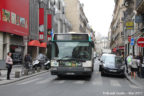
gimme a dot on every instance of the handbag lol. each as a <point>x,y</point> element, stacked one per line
<point>7,65</point>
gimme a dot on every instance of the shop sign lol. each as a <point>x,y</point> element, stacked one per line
<point>140,42</point>
<point>41,35</point>
<point>41,23</point>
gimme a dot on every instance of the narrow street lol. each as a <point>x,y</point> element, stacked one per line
<point>48,85</point>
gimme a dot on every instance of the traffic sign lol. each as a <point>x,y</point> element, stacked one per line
<point>132,41</point>
<point>129,38</point>
<point>140,42</point>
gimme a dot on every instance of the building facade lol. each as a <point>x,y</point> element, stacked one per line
<point>14,27</point>
<point>75,14</point>
<point>117,34</point>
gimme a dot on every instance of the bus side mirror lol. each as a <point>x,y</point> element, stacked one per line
<point>92,44</point>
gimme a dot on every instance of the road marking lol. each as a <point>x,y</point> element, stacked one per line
<point>30,81</point>
<point>134,86</point>
<point>59,81</point>
<point>44,81</point>
<point>79,82</point>
<point>97,81</point>
<point>115,83</point>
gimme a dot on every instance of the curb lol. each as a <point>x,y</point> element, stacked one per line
<point>132,81</point>
<point>24,77</point>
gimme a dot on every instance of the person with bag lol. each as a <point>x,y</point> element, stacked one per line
<point>134,67</point>
<point>129,62</point>
<point>9,63</point>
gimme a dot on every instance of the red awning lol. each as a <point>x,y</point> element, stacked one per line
<point>34,43</point>
<point>44,45</point>
<point>114,50</point>
<point>121,47</point>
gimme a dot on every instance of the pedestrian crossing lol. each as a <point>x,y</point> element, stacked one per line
<point>95,82</point>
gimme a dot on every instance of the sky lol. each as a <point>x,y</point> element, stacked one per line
<point>99,14</point>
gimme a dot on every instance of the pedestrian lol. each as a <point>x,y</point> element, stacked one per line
<point>9,63</point>
<point>140,58</point>
<point>27,60</point>
<point>129,62</point>
<point>126,63</point>
<point>134,67</point>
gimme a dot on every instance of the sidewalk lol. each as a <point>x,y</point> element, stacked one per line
<point>137,81</point>
<point>4,81</point>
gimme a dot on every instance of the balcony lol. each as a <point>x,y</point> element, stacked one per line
<point>139,5</point>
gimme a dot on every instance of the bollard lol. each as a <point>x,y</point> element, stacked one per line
<point>43,67</point>
<point>17,74</point>
<point>26,72</point>
<point>33,71</point>
<point>38,69</point>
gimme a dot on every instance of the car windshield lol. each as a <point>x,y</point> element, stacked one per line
<point>80,50</point>
<point>109,60</point>
<point>113,60</point>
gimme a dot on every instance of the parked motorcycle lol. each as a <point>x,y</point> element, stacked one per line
<point>41,60</point>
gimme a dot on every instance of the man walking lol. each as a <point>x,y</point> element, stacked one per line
<point>27,60</point>
<point>129,62</point>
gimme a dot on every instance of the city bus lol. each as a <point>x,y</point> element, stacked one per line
<point>72,54</point>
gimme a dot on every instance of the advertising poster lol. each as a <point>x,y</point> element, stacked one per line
<point>22,22</point>
<point>6,15</point>
<point>14,17</point>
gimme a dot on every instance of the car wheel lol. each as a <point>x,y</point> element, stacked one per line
<point>99,67</point>
<point>102,73</point>
<point>59,76</point>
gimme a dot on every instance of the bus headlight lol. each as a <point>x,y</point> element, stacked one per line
<point>87,64</point>
<point>54,63</point>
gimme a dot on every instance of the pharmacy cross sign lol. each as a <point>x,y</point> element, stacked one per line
<point>140,42</point>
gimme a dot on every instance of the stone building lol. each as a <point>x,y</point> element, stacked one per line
<point>117,34</point>
<point>75,14</point>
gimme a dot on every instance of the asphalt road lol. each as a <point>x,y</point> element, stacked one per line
<point>48,85</point>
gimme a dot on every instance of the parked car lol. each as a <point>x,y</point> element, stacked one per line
<point>102,58</point>
<point>113,65</point>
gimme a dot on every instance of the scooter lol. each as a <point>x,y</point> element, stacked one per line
<point>36,63</point>
<point>47,64</point>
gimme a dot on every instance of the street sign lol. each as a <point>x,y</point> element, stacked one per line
<point>140,42</point>
<point>132,41</point>
<point>129,38</point>
<point>129,25</point>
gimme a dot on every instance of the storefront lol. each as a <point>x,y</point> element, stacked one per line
<point>14,25</point>
<point>33,48</point>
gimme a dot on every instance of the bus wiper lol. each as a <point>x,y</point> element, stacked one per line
<point>70,58</point>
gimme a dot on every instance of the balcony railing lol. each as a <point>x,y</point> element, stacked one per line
<point>138,2</point>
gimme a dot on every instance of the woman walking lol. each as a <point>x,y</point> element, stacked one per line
<point>9,63</point>
<point>134,67</point>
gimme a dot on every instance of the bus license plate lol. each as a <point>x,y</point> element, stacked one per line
<point>73,65</point>
<point>70,73</point>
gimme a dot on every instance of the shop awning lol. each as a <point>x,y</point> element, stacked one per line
<point>44,45</point>
<point>34,43</point>
<point>121,47</point>
<point>114,50</point>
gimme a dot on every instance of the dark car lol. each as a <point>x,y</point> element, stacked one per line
<point>113,65</point>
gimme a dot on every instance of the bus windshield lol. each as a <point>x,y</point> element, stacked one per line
<point>79,50</point>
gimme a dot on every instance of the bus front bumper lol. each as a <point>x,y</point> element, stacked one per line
<point>71,71</point>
